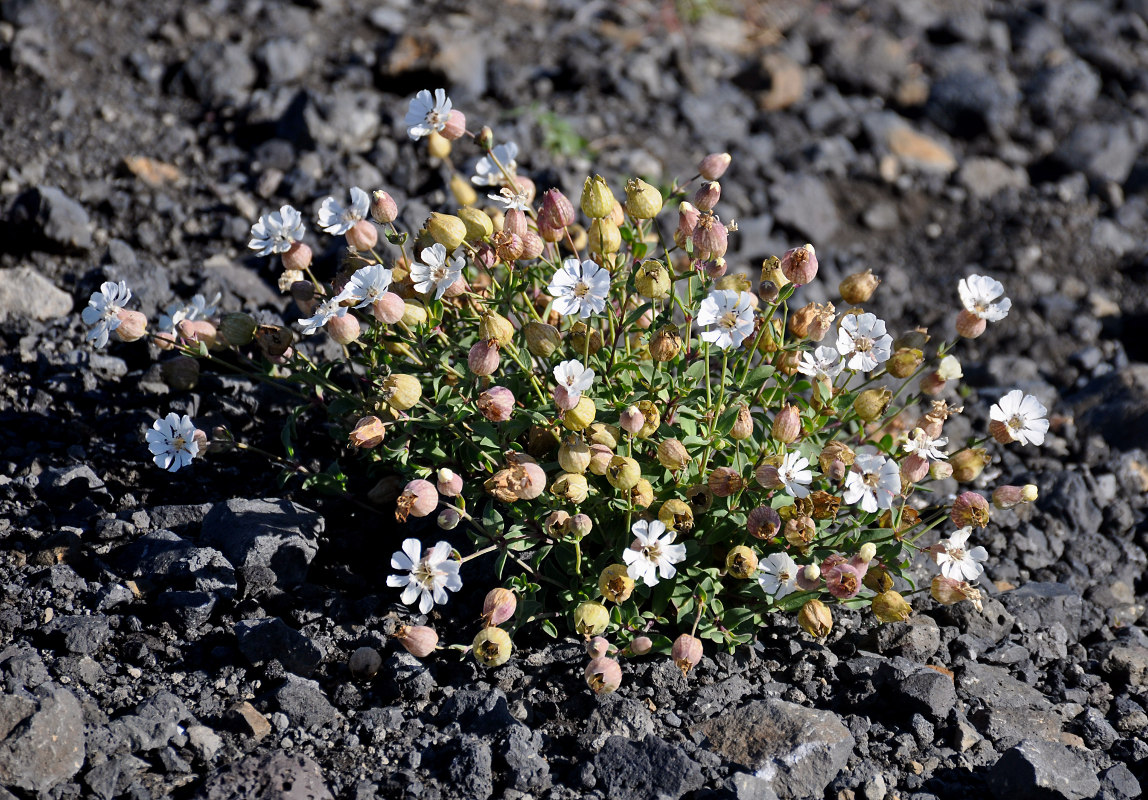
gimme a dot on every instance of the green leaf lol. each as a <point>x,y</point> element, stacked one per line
<point>794,601</point>
<point>550,628</point>
<point>758,376</point>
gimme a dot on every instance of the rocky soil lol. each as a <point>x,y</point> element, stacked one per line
<point>211,635</point>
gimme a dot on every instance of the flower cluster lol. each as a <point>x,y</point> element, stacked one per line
<point>641,436</point>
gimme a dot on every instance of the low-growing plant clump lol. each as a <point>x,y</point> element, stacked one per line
<point>648,446</point>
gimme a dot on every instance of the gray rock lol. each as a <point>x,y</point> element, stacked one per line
<point>1115,406</point>
<point>1094,729</point>
<point>1068,87</point>
<point>1038,605</point>
<point>178,518</point>
<point>647,770</point>
<point>22,668</point>
<point>220,74</point>
<point>992,623</point>
<point>998,689</point>
<point>285,60</point>
<point>986,177</point>
<point>617,716</point>
<point>1128,665</point>
<point>751,787</point>
<point>178,564</point>
<point>276,776</point>
<point>970,104</point>
<point>922,691</point>
<point>477,711</point>
<point>24,292</point>
<point>262,640</point>
<point>1101,150</point>
<point>527,771</point>
<point>304,703</point>
<point>42,740</point>
<point>798,750</point>
<point>871,59</point>
<point>470,770</point>
<point>47,219</point>
<point>83,635</point>
<point>1036,770</point>
<point>916,640</point>
<point>276,534</point>
<point>1119,783</point>
<point>111,779</point>
<point>1007,727</point>
<point>803,203</point>
<point>204,742</point>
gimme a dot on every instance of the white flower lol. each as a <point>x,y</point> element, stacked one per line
<point>277,231</point>
<point>336,219</point>
<point>732,314</point>
<point>778,575</point>
<point>950,369</point>
<point>653,553</point>
<point>979,295</point>
<point>1022,415</point>
<point>874,481</point>
<point>824,363</point>
<point>426,114</point>
<point>102,310</point>
<point>368,284</point>
<point>509,199</point>
<point>574,377</point>
<point>794,472</point>
<point>197,309</point>
<point>579,288</point>
<point>925,445</point>
<point>172,441</point>
<point>436,272</point>
<point>863,337</point>
<point>324,312</point>
<point>429,575</point>
<point>487,173</point>
<point>959,563</point>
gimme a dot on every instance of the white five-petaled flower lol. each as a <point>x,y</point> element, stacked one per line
<point>337,219</point>
<point>368,284</point>
<point>324,312</point>
<point>426,114</point>
<point>508,199</point>
<point>824,363</point>
<point>862,339</point>
<point>959,562</point>
<point>197,309</point>
<point>579,288</point>
<point>979,296</point>
<point>777,574</point>
<point>276,231</point>
<point>731,314</point>
<point>573,377</point>
<point>653,553</point>
<point>436,272</point>
<point>1023,416</point>
<point>486,171</point>
<point>172,441</point>
<point>925,446</point>
<point>428,576</point>
<point>794,472</point>
<point>103,309</point>
<point>874,482</point>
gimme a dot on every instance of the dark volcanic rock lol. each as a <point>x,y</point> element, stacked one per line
<point>261,640</point>
<point>276,776</point>
<point>1036,770</point>
<point>45,218</point>
<point>276,534</point>
<point>1038,605</point>
<point>304,703</point>
<point>645,770</point>
<point>41,738</point>
<point>1115,406</point>
<point>470,769</point>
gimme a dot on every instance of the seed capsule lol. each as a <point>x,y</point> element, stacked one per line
<point>815,619</point>
<point>890,606</point>
<point>686,652</point>
<point>419,640</point>
<point>591,618</point>
<point>597,199</point>
<point>858,288</point>
<point>615,583</point>
<point>492,647</point>
<point>498,607</point>
<point>643,201</point>
<point>741,562</point>
<point>603,675</point>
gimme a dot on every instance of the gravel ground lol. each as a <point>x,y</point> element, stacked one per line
<point>212,636</point>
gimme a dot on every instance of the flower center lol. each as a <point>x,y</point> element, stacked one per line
<point>435,117</point>
<point>1016,422</point>
<point>179,443</point>
<point>438,273</point>
<point>581,289</point>
<point>653,552</point>
<point>728,320</point>
<point>871,479</point>
<point>424,575</point>
<point>862,344</point>
<point>784,576</point>
<point>957,553</point>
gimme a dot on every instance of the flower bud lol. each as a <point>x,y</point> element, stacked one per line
<point>707,196</point>
<point>688,216</point>
<point>597,647</point>
<point>666,343</point>
<point>438,146</point>
<point>542,339</point>
<point>643,201</point>
<point>297,257</point>
<point>742,424</point>
<point>455,125</point>
<point>786,425</point>
<point>132,327</point>
<point>532,246</point>
<point>969,464</point>
<point>768,476</point>
<point>498,607</point>
<point>591,618</point>
<point>401,391</point>
<point>418,640</point>
<point>198,331</point>
<point>799,265</point>
<point>763,523</point>
<point>676,516</point>
<point>492,647</point>
<point>714,268</point>
<point>1005,497</point>
<point>578,526</point>
<point>904,362</point>
<point>414,313</point>
<point>514,221</point>
<point>447,230</point>
<point>890,606</point>
<point>710,238</point>
<point>672,454</point>
<point>344,329</point>
<point>363,235</point>
<point>389,308</point>
<point>871,404</point>
<point>652,279</point>
<point>600,456</point>
<point>878,580</point>
<point>615,583</point>
<point>714,165</point>
<point>639,646</point>
<point>741,562</point>
<point>815,619</point>
<point>483,358</point>
<point>913,469</point>
<point>686,652</point>
<point>969,325</point>
<point>970,510</point>
<point>571,487</point>
<point>496,404</point>
<point>580,417</point>
<point>867,552</point>
<point>623,473</point>
<point>578,333</point>
<point>557,211</point>
<point>725,482</point>
<point>939,470</point>
<point>603,675</point>
<point>418,499</point>
<point>448,519</point>
<point>597,199</point>
<point>605,237</point>
<point>858,288</point>
<point>631,420</point>
<point>384,210</point>
<point>368,432</point>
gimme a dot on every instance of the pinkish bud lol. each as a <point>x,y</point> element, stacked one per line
<point>799,265</point>
<point>389,308</point>
<point>763,522</point>
<point>640,646</point>
<point>483,357</point>
<point>940,470</point>
<point>970,509</point>
<point>384,210</point>
<point>363,235</point>
<point>455,125</point>
<point>448,519</point>
<point>368,432</point>
<point>419,499</point>
<point>714,268</point>
<point>449,483</point>
<point>688,216</point>
<point>787,424</point>
<point>196,331</point>
<point>632,420</point>
<point>767,477</point>
<point>707,196</point>
<point>808,577</point>
<point>498,607</point>
<point>459,287</point>
<point>710,238</point>
<point>344,329</point>
<point>496,404</point>
<point>843,580</point>
<point>578,526</point>
<point>557,211</point>
<point>597,647</point>
<point>297,257</point>
<point>603,675</point>
<point>564,400</point>
<point>514,221</point>
<point>914,468</point>
<point>714,165</point>
<point>532,246</point>
<point>725,482</point>
<point>132,327</point>
<point>419,640</point>
<point>933,384</point>
<point>1005,497</point>
<point>969,325</point>
<point>686,652</point>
